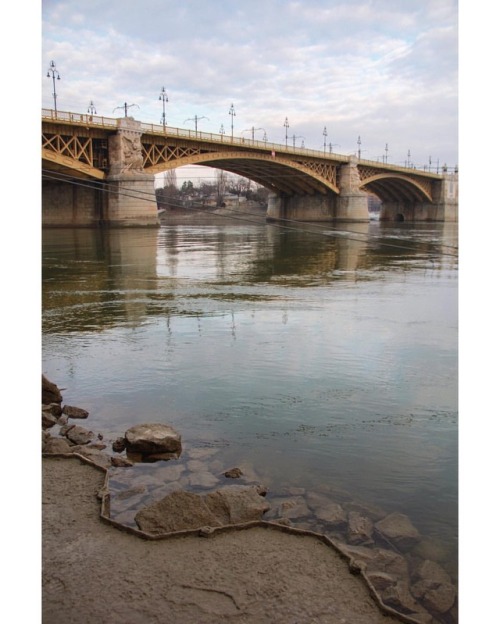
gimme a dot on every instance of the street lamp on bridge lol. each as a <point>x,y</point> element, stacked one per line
<point>125,107</point>
<point>196,119</point>
<point>52,71</point>
<point>297,137</point>
<point>252,130</point>
<point>325,134</point>
<point>233,115</point>
<point>164,97</point>
<point>92,109</point>
<point>286,126</point>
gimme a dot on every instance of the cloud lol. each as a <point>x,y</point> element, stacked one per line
<point>386,70</point>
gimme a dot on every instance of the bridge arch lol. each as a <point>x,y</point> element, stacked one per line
<point>394,187</point>
<point>278,174</point>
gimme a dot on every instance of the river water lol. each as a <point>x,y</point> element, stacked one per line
<point>316,356</point>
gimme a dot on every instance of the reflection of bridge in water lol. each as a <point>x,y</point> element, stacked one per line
<point>84,155</point>
<point>133,274</point>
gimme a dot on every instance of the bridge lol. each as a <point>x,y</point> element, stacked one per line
<point>100,170</point>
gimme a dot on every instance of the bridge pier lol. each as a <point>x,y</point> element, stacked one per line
<point>131,197</point>
<point>125,198</point>
<point>351,204</point>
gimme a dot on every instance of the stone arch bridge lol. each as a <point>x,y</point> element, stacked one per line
<point>99,170</point>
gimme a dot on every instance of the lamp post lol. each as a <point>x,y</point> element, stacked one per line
<point>125,107</point>
<point>386,151</point>
<point>297,137</point>
<point>52,71</point>
<point>233,115</point>
<point>325,134</point>
<point>91,109</point>
<point>196,119</point>
<point>222,132</point>
<point>252,130</point>
<point>359,148</point>
<point>164,97</point>
<point>286,125</point>
<point>264,137</point>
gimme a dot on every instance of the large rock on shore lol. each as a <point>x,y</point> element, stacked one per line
<point>153,439</point>
<point>181,510</point>
<point>50,392</point>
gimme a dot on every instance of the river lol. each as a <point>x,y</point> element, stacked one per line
<point>314,355</point>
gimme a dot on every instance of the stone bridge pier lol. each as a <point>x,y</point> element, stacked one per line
<point>125,197</point>
<point>131,197</point>
<point>351,204</point>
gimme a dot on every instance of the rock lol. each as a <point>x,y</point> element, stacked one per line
<point>57,445</point>
<point>183,510</point>
<point>244,503</point>
<point>50,392</point>
<point>151,438</point>
<point>169,472</point>
<point>79,435</point>
<point>178,511</point>
<point>360,529</point>
<point>121,462</point>
<point>399,597</point>
<point>438,598</point>
<point>203,479</point>
<point>327,511</point>
<point>292,508</point>
<point>434,587</point>
<point>52,408</point>
<point>74,412</point>
<point>48,420</point>
<point>234,473</point>
<point>119,445</point>
<point>432,571</point>
<point>398,529</point>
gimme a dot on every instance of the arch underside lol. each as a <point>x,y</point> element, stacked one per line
<point>276,174</point>
<point>397,188</point>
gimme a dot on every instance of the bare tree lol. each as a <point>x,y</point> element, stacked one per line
<point>221,184</point>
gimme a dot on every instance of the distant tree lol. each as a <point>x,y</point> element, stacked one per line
<point>221,184</point>
<point>167,197</point>
<point>187,188</point>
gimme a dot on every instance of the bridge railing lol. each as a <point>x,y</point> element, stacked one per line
<point>234,140</point>
<point>83,118</point>
<point>112,122</point>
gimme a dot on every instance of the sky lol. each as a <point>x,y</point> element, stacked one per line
<point>381,76</point>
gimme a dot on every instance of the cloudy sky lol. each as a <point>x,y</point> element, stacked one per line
<point>385,71</point>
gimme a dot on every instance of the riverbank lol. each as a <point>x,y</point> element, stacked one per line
<point>94,572</point>
<point>70,499</point>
